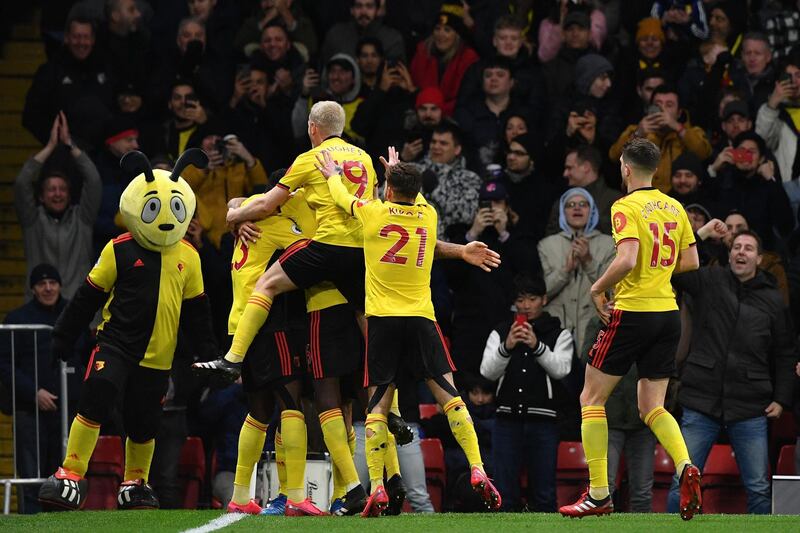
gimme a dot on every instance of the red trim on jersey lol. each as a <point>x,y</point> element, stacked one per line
<point>281,185</point>
<point>316,361</point>
<point>605,344</point>
<point>299,245</point>
<point>91,362</point>
<point>190,245</point>
<point>94,285</point>
<point>122,238</point>
<point>446,349</point>
<point>626,239</point>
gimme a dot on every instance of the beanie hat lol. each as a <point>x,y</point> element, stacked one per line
<point>452,14</point>
<point>688,161</point>
<point>430,95</point>
<point>588,68</point>
<point>529,142</point>
<point>42,272</point>
<point>650,26</point>
<point>119,127</point>
<point>579,17</point>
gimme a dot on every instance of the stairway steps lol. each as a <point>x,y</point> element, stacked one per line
<point>11,285</point>
<point>18,137</point>
<point>19,49</point>
<point>12,267</point>
<point>10,232</point>
<point>14,157</point>
<point>12,250</point>
<point>19,67</point>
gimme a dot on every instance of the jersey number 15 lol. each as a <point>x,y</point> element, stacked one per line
<point>660,240</point>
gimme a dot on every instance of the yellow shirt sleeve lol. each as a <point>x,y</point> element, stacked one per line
<point>194,274</point>
<point>104,273</point>
<point>623,223</point>
<point>298,173</point>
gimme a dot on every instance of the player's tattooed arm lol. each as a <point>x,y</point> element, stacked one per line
<point>475,253</point>
<point>259,207</point>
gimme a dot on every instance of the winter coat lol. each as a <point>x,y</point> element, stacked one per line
<point>344,36</point>
<point>425,72</point>
<point>568,292</point>
<point>778,131</point>
<point>741,356</point>
<point>66,241</point>
<point>525,388</point>
<point>455,194</point>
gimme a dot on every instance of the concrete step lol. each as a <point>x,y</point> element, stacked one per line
<point>10,232</point>
<point>19,67</point>
<point>12,285</point>
<point>14,157</point>
<point>6,193</point>
<point>23,32</point>
<point>12,93</point>
<point>16,50</point>
<point>12,267</point>
<point>10,302</point>
<point>17,136</point>
<point>12,250</point>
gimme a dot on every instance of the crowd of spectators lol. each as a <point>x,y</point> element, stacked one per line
<point>516,113</point>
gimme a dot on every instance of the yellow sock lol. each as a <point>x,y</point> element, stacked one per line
<point>335,435</point>
<point>138,456</point>
<point>339,488</point>
<point>80,445</point>
<point>293,434</point>
<point>594,433</point>
<point>395,408</point>
<point>253,317</point>
<point>463,430</point>
<point>377,436</point>
<point>280,462</point>
<point>391,461</point>
<point>351,441</point>
<point>668,433</point>
<point>251,444</point>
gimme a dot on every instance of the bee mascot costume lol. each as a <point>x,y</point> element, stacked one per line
<point>148,282</point>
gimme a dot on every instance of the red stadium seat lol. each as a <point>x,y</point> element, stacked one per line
<point>192,471</point>
<point>663,470</point>
<point>722,485</point>
<point>435,473</point>
<point>106,469</point>
<point>428,410</point>
<point>786,461</point>
<point>572,473</point>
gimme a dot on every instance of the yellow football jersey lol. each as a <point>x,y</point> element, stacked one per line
<point>334,226</point>
<point>663,230</point>
<point>399,241</point>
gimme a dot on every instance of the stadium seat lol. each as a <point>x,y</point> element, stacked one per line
<point>722,485</point>
<point>572,472</point>
<point>782,431</point>
<point>106,469</point>
<point>663,471</point>
<point>192,471</point>
<point>786,461</point>
<point>435,473</point>
<point>428,410</point>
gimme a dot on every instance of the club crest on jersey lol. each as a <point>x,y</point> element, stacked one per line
<point>180,267</point>
<point>620,221</point>
<point>99,365</point>
<point>296,230</point>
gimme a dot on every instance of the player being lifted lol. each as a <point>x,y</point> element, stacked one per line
<point>402,333</point>
<point>642,325</point>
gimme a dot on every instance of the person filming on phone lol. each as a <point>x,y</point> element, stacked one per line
<point>527,354</point>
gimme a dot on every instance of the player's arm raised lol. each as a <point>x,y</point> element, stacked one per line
<point>258,208</point>
<point>623,263</point>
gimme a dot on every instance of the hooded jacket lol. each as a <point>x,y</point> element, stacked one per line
<point>741,357</point>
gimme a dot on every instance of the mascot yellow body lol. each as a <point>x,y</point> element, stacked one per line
<point>148,282</point>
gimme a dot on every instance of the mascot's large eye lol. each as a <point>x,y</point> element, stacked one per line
<point>178,209</point>
<point>150,210</point>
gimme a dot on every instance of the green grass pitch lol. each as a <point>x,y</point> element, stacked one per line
<point>176,521</point>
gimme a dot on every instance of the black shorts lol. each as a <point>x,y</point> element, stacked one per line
<point>274,356</point>
<point>336,346</point>
<point>404,345</point>
<point>309,262</point>
<point>649,339</point>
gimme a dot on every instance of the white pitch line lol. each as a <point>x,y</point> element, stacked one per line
<point>218,523</point>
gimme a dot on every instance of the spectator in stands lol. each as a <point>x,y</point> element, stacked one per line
<point>516,124</point>
<point>483,114</point>
<point>181,130</point>
<point>451,186</point>
<point>758,78</point>
<point>573,259</point>
<point>508,43</point>
<point>530,195</point>
<point>699,87</point>
<point>670,130</point>
<point>232,172</point>
<point>726,22</point>
<point>559,71</point>
<point>285,13</point>
<point>687,180</point>
<point>646,82</point>
<point>734,119</point>
<point>684,18</point>
<point>382,117</point>
<point>527,354</point>
<point>341,82</point>
<point>442,59</point>
<point>481,298</point>
<point>281,59</point>
<point>428,114</point>
<point>53,229</point>
<point>75,82</point>
<point>370,58</point>
<point>781,22</point>
<point>746,179</point>
<point>582,169</point>
<point>120,137</point>
<point>555,30</point>
<point>125,42</point>
<point>37,381</point>
<point>364,22</point>
<point>262,118</point>
<point>220,26</point>
<point>739,370</point>
<point>777,123</point>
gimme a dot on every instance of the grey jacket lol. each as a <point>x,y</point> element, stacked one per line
<point>65,242</point>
